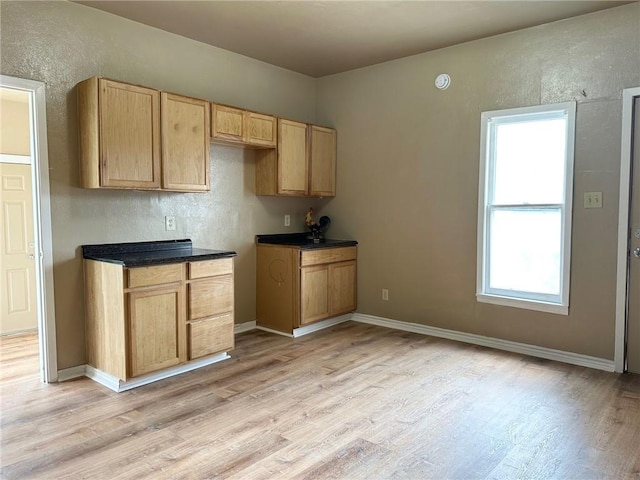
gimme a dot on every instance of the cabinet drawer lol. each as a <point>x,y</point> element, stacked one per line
<point>210,296</point>
<point>210,268</point>
<point>327,255</point>
<point>156,275</point>
<point>211,335</point>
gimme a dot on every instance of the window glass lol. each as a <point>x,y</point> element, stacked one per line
<point>529,165</point>
<point>525,250</point>
<point>524,220</point>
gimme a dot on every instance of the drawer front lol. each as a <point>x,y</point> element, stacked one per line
<point>210,268</point>
<point>156,275</point>
<point>211,335</point>
<point>327,255</point>
<point>210,296</point>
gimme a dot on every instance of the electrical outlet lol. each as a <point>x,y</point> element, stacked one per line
<point>169,223</point>
<point>287,220</point>
<point>593,200</point>
<point>385,294</point>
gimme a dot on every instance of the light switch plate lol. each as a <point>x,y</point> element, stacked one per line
<point>593,200</point>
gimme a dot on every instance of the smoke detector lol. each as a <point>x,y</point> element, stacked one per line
<point>443,81</point>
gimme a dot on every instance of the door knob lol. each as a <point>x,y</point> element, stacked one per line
<point>636,252</point>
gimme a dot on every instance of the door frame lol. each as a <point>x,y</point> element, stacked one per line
<point>42,224</point>
<point>629,96</point>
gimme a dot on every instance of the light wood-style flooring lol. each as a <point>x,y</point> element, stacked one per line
<point>352,402</point>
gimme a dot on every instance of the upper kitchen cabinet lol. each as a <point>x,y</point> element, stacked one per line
<point>185,143</point>
<point>137,138</point>
<point>119,135</point>
<point>304,163</point>
<point>235,126</point>
<point>322,161</point>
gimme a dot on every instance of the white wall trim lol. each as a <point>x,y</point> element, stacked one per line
<point>118,385</point>
<point>271,330</point>
<point>307,329</point>
<point>42,224</point>
<point>20,159</point>
<point>628,97</point>
<point>71,373</point>
<point>314,327</point>
<point>244,327</point>
<point>509,346</point>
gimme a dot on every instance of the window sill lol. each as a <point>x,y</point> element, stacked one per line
<point>521,303</point>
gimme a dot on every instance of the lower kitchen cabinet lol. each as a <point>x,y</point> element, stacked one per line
<point>296,287</point>
<point>147,319</point>
<point>156,329</point>
<point>327,290</point>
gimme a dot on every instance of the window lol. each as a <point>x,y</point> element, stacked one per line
<point>524,213</point>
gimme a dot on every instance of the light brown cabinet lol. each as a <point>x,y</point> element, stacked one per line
<point>185,143</point>
<point>210,312</point>
<point>296,287</point>
<point>146,319</point>
<point>136,137</point>
<point>304,163</point>
<point>156,329</point>
<point>234,126</point>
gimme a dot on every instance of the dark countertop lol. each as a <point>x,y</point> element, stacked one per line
<point>144,254</point>
<point>303,241</point>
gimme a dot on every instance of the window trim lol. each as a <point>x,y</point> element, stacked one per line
<point>486,171</point>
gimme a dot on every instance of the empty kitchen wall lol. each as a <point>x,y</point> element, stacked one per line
<point>62,43</point>
<point>408,173</point>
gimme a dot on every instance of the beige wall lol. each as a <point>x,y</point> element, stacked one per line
<point>61,43</point>
<point>407,169</point>
<point>14,122</point>
<point>408,173</point>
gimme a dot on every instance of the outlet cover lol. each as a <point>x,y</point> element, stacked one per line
<point>169,223</point>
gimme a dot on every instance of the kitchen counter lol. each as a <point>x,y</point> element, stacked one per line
<point>144,254</point>
<point>302,240</point>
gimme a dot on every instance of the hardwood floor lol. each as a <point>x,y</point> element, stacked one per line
<point>355,401</point>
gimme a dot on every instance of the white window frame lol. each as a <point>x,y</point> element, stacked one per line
<point>489,120</point>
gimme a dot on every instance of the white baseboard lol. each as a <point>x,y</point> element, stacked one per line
<point>314,327</point>
<point>244,327</point>
<point>118,385</point>
<point>307,329</point>
<point>509,346</point>
<point>271,330</point>
<point>71,373</point>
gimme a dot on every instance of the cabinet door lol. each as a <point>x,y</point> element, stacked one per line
<point>227,123</point>
<point>292,158</point>
<point>157,329</point>
<point>185,143</point>
<point>342,281</point>
<point>322,161</point>
<point>260,130</point>
<point>129,136</point>
<point>314,293</point>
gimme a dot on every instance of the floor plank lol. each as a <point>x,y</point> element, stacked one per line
<point>354,401</point>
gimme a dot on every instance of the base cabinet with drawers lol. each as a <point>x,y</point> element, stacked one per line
<point>296,287</point>
<point>145,319</point>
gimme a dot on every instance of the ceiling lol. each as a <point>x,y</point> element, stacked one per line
<point>319,38</point>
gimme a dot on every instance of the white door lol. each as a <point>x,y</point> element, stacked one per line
<point>17,261</point>
<point>633,319</point>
